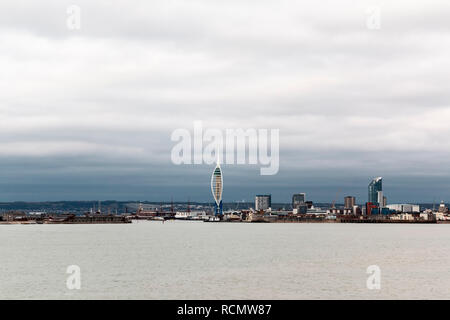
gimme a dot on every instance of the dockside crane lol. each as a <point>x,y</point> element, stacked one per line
<point>335,198</point>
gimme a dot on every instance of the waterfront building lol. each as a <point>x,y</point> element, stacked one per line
<point>301,209</point>
<point>442,208</point>
<point>349,202</point>
<point>309,204</point>
<point>317,211</point>
<point>298,199</point>
<point>217,188</point>
<point>371,208</point>
<point>402,216</point>
<point>263,202</point>
<point>404,207</point>
<point>336,211</point>
<point>190,215</point>
<point>376,191</point>
<point>426,215</point>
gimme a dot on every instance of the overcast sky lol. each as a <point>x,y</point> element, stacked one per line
<point>88,114</point>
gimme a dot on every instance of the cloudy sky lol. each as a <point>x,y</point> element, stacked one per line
<point>88,113</point>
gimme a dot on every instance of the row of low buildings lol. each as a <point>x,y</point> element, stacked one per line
<point>376,207</point>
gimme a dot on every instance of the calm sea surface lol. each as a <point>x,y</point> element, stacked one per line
<point>196,260</point>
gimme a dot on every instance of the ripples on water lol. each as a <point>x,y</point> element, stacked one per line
<point>196,260</point>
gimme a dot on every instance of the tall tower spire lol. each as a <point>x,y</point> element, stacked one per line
<point>217,187</point>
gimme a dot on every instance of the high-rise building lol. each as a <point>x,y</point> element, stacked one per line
<point>380,198</point>
<point>375,186</point>
<point>298,199</point>
<point>263,202</point>
<point>349,202</point>
<point>217,188</point>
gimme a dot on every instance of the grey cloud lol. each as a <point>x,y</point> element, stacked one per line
<point>98,105</point>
